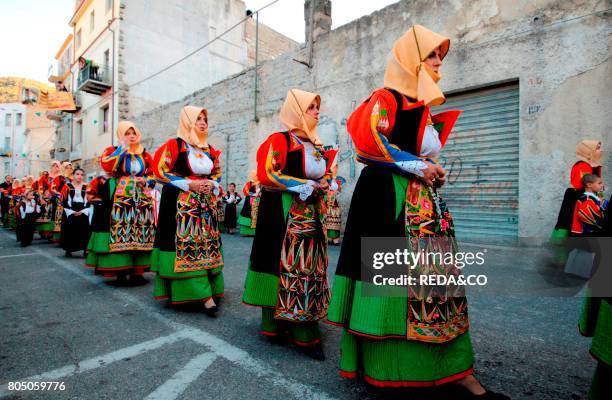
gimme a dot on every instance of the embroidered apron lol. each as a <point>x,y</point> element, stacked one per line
<point>198,240</point>
<point>304,292</point>
<point>132,225</point>
<point>436,314</point>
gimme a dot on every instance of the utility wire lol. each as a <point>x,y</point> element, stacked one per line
<point>218,37</point>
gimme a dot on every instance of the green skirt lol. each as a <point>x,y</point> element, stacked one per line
<point>11,221</point>
<point>245,226</point>
<point>45,228</point>
<point>558,240</point>
<point>184,287</point>
<point>110,264</point>
<point>333,234</point>
<point>374,341</point>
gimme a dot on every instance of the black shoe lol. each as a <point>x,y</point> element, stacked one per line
<point>315,352</point>
<point>68,254</point>
<point>279,339</point>
<point>465,394</point>
<point>211,311</point>
<point>122,279</point>
<point>138,280</point>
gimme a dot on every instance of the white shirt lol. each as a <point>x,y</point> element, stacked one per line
<point>314,168</point>
<point>200,164</point>
<point>431,146</point>
<point>30,207</point>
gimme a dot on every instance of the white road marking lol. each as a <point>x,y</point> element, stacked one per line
<point>216,345</point>
<point>173,387</point>
<point>20,255</point>
<point>101,361</point>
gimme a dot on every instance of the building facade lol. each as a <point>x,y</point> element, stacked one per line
<point>532,78</point>
<point>27,136</point>
<point>12,137</point>
<point>124,43</point>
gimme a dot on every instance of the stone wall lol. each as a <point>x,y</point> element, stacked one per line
<point>557,50</point>
<point>271,43</point>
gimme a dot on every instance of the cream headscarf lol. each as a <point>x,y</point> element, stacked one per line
<point>186,129</point>
<point>406,71</point>
<point>122,129</point>
<point>587,151</point>
<point>253,176</point>
<point>293,115</point>
<point>59,168</point>
<point>65,165</point>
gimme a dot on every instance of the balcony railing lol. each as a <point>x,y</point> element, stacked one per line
<point>95,79</point>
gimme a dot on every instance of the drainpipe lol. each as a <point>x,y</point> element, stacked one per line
<point>255,118</point>
<point>113,88</point>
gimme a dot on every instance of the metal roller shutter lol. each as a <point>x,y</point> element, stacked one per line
<point>482,160</point>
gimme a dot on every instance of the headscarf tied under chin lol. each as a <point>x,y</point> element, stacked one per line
<point>65,169</point>
<point>59,168</point>
<point>122,129</point>
<point>293,115</point>
<point>406,70</point>
<point>186,129</point>
<point>587,151</point>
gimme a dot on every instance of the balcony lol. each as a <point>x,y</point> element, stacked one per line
<point>95,79</point>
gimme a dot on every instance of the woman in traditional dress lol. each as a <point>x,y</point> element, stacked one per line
<point>248,215</point>
<point>287,274</point>
<point>231,199</point>
<point>14,197</point>
<point>588,153</point>
<point>596,316</point>
<point>188,256</point>
<point>75,230</point>
<point>99,219</point>
<point>57,190</point>
<point>333,221</point>
<point>125,225</point>
<point>28,212</point>
<point>5,193</point>
<point>44,222</point>
<point>418,338</point>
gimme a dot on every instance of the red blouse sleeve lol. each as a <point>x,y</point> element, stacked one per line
<point>579,170</point>
<point>271,159</point>
<point>163,162</point>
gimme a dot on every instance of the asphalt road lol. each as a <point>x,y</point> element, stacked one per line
<point>58,322</point>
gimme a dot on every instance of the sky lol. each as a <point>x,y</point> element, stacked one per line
<point>33,30</point>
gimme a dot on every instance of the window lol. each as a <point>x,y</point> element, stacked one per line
<point>7,143</point>
<point>78,135</point>
<point>78,39</point>
<point>109,5</point>
<point>92,19</point>
<point>8,119</point>
<point>18,119</point>
<point>104,116</point>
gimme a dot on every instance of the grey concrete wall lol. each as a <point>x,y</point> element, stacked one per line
<point>557,50</point>
<point>155,34</point>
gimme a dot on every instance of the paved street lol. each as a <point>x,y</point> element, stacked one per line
<point>58,322</point>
